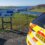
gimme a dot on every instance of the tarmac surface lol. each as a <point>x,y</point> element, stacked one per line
<point>9,38</point>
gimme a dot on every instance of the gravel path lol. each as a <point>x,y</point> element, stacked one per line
<point>13,39</point>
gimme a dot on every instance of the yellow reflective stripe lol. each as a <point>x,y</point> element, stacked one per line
<point>31,35</point>
<point>26,40</point>
<point>29,43</point>
<point>38,43</point>
<point>37,28</point>
<point>43,31</point>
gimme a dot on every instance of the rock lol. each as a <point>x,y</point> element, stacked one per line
<point>18,41</point>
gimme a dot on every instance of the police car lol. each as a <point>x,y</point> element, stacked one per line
<point>36,34</point>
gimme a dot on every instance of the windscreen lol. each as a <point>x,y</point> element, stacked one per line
<point>40,21</point>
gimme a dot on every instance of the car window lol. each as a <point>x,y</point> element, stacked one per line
<point>40,21</point>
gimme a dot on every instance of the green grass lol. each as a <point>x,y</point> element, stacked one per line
<point>38,10</point>
<point>19,21</point>
<point>4,30</point>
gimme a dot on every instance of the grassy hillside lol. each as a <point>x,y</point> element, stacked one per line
<point>38,9</point>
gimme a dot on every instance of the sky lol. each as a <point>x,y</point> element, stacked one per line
<point>21,2</point>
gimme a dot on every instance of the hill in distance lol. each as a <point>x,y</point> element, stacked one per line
<point>39,8</point>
